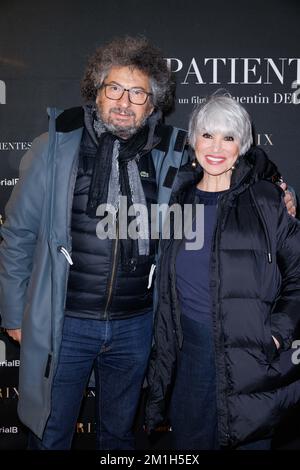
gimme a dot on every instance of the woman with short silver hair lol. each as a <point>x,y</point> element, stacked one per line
<point>223,114</point>
<point>227,313</point>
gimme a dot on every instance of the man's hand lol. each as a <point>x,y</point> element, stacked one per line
<point>290,203</point>
<point>15,334</point>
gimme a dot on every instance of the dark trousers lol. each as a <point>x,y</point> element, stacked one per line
<point>118,350</point>
<point>193,410</point>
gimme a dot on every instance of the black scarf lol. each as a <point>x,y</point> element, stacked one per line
<point>133,148</point>
<point>129,149</point>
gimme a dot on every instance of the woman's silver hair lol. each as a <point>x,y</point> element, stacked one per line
<point>221,113</point>
<point>136,53</point>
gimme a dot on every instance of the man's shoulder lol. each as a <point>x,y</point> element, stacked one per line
<point>69,119</point>
<point>171,138</point>
<point>268,192</point>
<point>65,121</point>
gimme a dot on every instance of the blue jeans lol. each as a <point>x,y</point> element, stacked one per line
<point>118,350</point>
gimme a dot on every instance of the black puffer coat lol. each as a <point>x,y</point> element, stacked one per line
<point>255,291</point>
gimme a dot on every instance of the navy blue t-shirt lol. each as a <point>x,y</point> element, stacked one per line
<point>193,266</point>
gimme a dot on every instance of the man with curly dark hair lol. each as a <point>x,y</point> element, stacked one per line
<point>82,295</point>
<point>135,53</point>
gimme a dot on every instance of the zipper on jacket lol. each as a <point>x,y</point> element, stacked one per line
<point>150,278</point>
<point>217,318</point>
<point>72,183</point>
<point>64,251</point>
<point>177,244</point>
<point>66,254</point>
<point>113,269</point>
<point>48,366</point>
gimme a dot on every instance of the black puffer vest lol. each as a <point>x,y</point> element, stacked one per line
<point>98,287</point>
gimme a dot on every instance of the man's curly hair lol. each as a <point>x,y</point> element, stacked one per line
<point>135,52</point>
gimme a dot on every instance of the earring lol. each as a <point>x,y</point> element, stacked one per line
<point>235,163</point>
<point>194,163</point>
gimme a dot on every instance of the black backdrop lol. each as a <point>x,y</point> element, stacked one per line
<point>250,48</point>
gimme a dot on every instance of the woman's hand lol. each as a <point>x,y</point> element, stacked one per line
<point>276,342</point>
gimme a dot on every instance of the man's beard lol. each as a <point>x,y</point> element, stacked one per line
<point>124,132</point>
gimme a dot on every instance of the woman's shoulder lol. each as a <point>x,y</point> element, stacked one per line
<point>268,191</point>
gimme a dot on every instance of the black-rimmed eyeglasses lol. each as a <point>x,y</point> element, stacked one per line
<point>135,95</point>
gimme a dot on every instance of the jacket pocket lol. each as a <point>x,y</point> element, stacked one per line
<point>271,350</point>
<point>272,355</point>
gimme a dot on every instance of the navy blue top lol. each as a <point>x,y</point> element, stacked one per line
<point>193,266</point>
